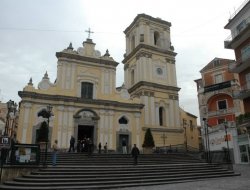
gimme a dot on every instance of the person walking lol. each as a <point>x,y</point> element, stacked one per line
<point>78,146</point>
<point>72,144</point>
<point>89,146</point>
<point>135,152</point>
<point>124,146</point>
<point>106,148</point>
<point>54,153</point>
<point>100,148</point>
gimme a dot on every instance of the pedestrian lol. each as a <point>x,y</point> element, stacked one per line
<point>54,153</point>
<point>135,152</point>
<point>78,146</point>
<point>72,144</point>
<point>124,146</point>
<point>89,145</point>
<point>100,147</point>
<point>106,148</point>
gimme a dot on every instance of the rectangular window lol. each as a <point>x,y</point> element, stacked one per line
<point>248,81</point>
<point>87,90</point>
<point>220,121</point>
<point>191,125</point>
<point>245,53</point>
<point>218,78</point>
<point>241,26</point>
<point>222,104</point>
<point>216,63</point>
<point>141,37</point>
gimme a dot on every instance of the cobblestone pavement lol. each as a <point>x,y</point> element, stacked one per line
<point>226,183</point>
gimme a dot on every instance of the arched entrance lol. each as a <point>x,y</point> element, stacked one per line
<point>85,125</point>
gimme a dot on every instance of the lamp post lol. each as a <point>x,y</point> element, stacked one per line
<point>49,114</point>
<point>226,138</point>
<point>208,156</point>
<point>11,106</point>
<point>185,130</point>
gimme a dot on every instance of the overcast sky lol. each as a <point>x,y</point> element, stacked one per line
<point>32,31</point>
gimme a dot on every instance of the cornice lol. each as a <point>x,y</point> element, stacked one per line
<point>154,85</point>
<point>138,50</point>
<point>164,130</point>
<point>149,18</point>
<point>72,99</point>
<point>60,55</point>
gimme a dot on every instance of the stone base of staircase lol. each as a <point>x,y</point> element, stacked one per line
<point>107,171</point>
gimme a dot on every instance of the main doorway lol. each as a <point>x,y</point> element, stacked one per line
<point>126,138</point>
<point>85,131</point>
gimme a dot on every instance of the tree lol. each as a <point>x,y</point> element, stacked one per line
<point>148,139</point>
<point>43,132</point>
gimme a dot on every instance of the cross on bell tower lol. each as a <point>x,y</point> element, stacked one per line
<point>89,31</point>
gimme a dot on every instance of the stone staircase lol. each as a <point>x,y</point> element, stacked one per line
<point>113,171</point>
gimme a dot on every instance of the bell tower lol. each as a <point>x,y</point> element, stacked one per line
<point>150,73</point>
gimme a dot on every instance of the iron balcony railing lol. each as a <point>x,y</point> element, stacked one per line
<point>236,32</point>
<point>217,86</point>
<point>243,92</point>
<point>240,62</point>
<point>221,112</point>
<point>238,10</point>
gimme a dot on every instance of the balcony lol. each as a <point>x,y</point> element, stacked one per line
<point>218,86</point>
<point>243,93</point>
<point>221,112</point>
<point>243,123</point>
<point>238,36</point>
<point>239,65</point>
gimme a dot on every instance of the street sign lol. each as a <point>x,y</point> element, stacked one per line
<point>5,142</point>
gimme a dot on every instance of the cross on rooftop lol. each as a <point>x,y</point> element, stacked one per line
<point>89,31</point>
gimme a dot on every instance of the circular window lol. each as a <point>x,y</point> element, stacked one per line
<point>159,71</point>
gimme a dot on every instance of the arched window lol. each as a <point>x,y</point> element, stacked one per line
<point>87,90</point>
<point>156,38</point>
<point>133,43</point>
<point>123,120</point>
<point>132,77</point>
<point>161,116</point>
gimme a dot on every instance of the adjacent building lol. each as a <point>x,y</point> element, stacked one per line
<point>239,41</point>
<point>215,93</point>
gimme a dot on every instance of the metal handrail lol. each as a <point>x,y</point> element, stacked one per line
<point>235,32</point>
<point>238,10</point>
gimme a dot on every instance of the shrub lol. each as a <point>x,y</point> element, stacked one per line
<point>148,139</point>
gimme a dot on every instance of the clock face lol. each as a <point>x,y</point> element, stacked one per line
<point>159,71</point>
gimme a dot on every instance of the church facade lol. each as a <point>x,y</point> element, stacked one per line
<point>86,102</point>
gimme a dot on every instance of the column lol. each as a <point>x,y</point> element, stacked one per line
<point>106,129</point>
<point>138,129</point>
<point>152,106</point>
<point>167,115</point>
<point>26,116</point>
<point>177,114</point>
<point>60,123</point>
<point>145,101</point>
<point>73,68</point>
<point>111,114</point>
<point>157,122</point>
<point>101,127</point>
<point>171,113</point>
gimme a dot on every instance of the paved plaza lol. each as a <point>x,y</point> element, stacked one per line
<point>228,183</point>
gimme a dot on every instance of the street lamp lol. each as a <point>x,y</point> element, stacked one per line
<point>226,138</point>
<point>10,107</point>
<point>185,130</point>
<point>208,156</point>
<point>48,115</point>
